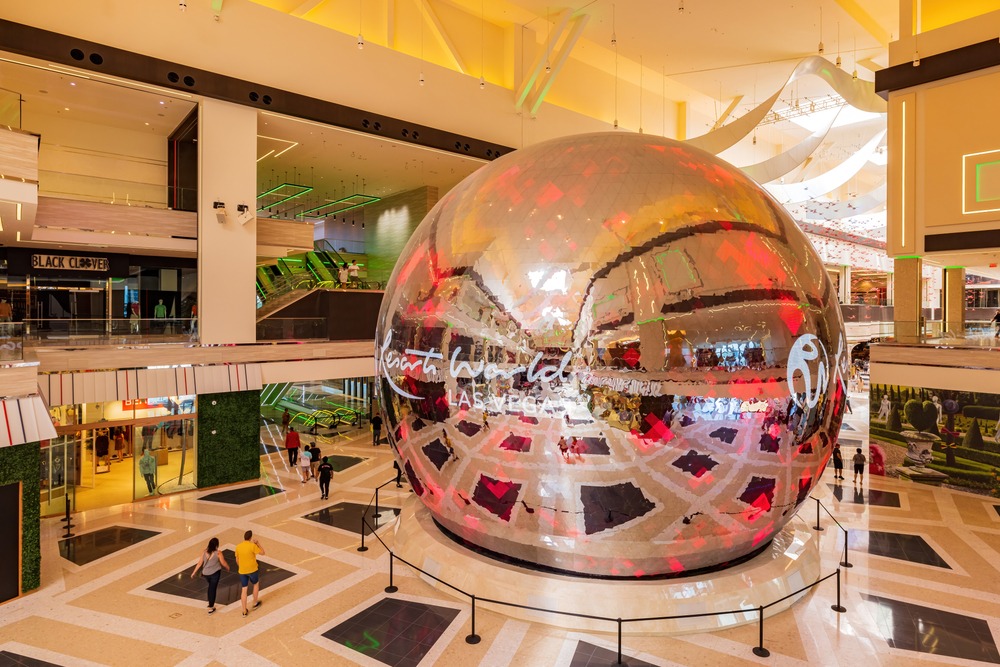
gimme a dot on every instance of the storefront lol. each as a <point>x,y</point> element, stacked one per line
<point>119,451</point>
<point>83,293</point>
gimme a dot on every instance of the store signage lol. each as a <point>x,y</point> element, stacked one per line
<point>71,262</point>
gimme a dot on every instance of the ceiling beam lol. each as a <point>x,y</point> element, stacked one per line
<point>536,67</point>
<point>306,7</point>
<point>870,65</point>
<point>865,20</point>
<point>439,32</point>
<point>727,112</point>
<point>579,22</point>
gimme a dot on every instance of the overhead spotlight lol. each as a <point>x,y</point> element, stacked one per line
<point>182,5</point>
<point>916,59</point>
<point>362,225</point>
<point>839,62</point>
<point>482,83</point>
<point>352,223</point>
<point>820,50</point>
<point>854,74</point>
<point>548,68</point>
<point>361,41</point>
<point>754,138</point>
<point>812,107</point>
<point>616,123</point>
<point>614,39</point>
<point>680,6</point>
<point>420,79</point>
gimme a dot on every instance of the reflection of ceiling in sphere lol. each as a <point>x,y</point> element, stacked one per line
<point>672,290</point>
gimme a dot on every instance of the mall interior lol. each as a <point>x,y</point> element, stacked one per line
<point>159,159</point>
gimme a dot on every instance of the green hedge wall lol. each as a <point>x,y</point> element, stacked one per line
<point>22,463</point>
<point>232,453</point>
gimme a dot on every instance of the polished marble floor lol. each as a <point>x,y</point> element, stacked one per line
<point>924,589</point>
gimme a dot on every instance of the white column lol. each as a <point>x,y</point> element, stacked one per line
<point>227,252</point>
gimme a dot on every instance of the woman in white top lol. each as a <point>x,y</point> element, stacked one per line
<point>212,563</point>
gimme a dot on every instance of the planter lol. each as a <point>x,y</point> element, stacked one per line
<point>919,446</point>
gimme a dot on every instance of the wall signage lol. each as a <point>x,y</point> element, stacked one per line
<point>72,262</point>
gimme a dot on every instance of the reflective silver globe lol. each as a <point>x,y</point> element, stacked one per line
<point>611,355</point>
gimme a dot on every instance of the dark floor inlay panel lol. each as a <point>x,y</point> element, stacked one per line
<point>923,629</point>
<point>341,463</point>
<point>347,516</point>
<point>856,495</point>
<point>242,496</point>
<point>8,659</point>
<point>394,632</point>
<point>997,508</point>
<point>911,548</point>
<point>88,547</point>
<point>183,585</point>
<point>589,655</point>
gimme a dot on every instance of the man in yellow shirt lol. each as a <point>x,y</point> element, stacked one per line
<point>246,558</point>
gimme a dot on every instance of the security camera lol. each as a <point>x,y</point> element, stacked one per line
<point>220,211</point>
<point>245,214</point>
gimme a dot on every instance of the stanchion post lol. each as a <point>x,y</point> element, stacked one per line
<point>377,513</point>
<point>362,547</point>
<point>759,649</point>
<point>619,641</point>
<point>817,526</point>
<point>391,588</point>
<point>68,520</point>
<point>473,638</point>
<point>845,562</point>
<point>839,608</point>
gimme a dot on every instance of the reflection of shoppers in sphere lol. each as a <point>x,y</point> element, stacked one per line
<point>212,563</point>
<point>399,474</point>
<point>6,312</point>
<point>996,322</point>
<point>147,468</point>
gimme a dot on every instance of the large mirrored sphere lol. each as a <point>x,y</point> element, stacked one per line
<point>611,355</point>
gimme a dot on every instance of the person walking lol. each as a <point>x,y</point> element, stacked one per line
<point>304,460</point>
<point>246,561</point>
<point>859,466</point>
<point>342,275</point>
<point>212,562</point>
<point>314,460</point>
<point>399,474</point>
<point>996,323</point>
<point>376,429</point>
<point>353,271</point>
<point>147,468</point>
<point>325,473</point>
<point>292,443</point>
<point>286,419</point>
<point>838,462</point>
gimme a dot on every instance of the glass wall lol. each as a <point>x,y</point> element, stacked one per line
<point>119,451</point>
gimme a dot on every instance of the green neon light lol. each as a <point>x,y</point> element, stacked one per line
<point>368,199</point>
<point>979,168</point>
<point>954,267</point>
<point>304,189</point>
<point>908,257</point>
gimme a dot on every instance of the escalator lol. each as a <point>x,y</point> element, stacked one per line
<point>321,266</point>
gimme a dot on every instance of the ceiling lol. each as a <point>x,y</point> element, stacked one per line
<point>337,163</point>
<point>56,90</point>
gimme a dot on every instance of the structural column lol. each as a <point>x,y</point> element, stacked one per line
<point>907,299</point>
<point>953,300</point>
<point>227,250</point>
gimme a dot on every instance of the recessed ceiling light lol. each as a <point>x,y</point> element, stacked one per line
<point>147,123</point>
<point>72,83</point>
<point>65,108</point>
